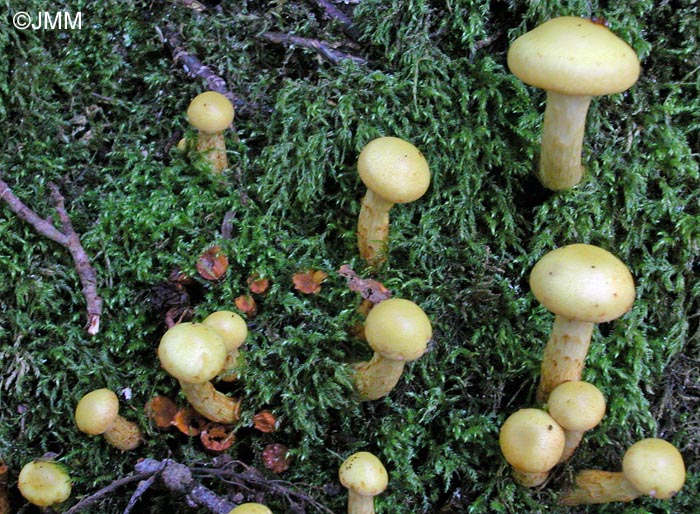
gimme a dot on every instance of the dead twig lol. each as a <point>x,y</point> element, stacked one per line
<point>66,237</point>
<point>89,500</point>
<point>320,47</point>
<point>196,68</point>
<point>349,27</point>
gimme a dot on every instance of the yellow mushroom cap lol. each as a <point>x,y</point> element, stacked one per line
<point>364,474</point>
<point>97,411</point>
<point>44,483</point>
<point>583,282</point>
<point>531,441</point>
<point>232,327</point>
<point>251,508</point>
<point>192,352</point>
<point>398,329</point>
<point>574,56</point>
<point>394,169</point>
<point>654,467</point>
<point>576,405</point>
<point>210,112</point>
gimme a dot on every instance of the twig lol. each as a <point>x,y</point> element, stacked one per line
<point>322,48</point>
<point>66,237</point>
<point>195,68</point>
<point>89,500</point>
<point>349,27</point>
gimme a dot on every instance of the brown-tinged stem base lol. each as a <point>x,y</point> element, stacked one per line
<point>529,479</point>
<point>210,403</point>
<point>373,229</point>
<point>562,140</point>
<point>124,435</point>
<point>564,354</point>
<point>377,377</point>
<point>213,149</point>
<point>594,486</point>
<point>358,504</point>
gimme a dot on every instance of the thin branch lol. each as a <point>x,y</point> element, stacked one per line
<point>89,500</point>
<point>322,48</point>
<point>66,237</point>
<point>349,27</point>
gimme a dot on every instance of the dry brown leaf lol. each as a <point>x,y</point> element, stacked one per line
<point>189,422</point>
<point>258,285</point>
<point>275,458</point>
<point>369,289</point>
<point>212,264</point>
<point>265,421</point>
<point>161,410</point>
<point>4,496</point>
<point>309,281</point>
<point>217,438</point>
<point>246,304</point>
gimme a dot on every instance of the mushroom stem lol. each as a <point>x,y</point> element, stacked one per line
<point>572,439</point>
<point>213,148</point>
<point>564,354</point>
<point>373,228</point>
<point>529,478</point>
<point>562,140</point>
<point>210,403</point>
<point>595,486</point>
<point>377,377</point>
<point>359,504</point>
<point>123,434</point>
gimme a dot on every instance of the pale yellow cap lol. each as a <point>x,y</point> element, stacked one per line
<point>97,411</point>
<point>574,56</point>
<point>576,405</point>
<point>531,441</point>
<point>364,474</point>
<point>193,353</point>
<point>210,112</point>
<point>398,329</point>
<point>251,508</point>
<point>654,467</point>
<point>44,483</point>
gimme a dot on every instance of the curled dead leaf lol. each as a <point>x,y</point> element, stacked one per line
<point>246,304</point>
<point>189,422</point>
<point>212,264</point>
<point>371,290</point>
<point>161,410</point>
<point>275,457</point>
<point>265,421</point>
<point>217,438</point>
<point>309,281</point>
<point>258,285</point>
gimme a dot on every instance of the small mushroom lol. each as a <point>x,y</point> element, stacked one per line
<point>234,330</point>
<point>578,407</point>
<point>532,443</point>
<point>211,113</point>
<point>194,354</point>
<point>364,476</point>
<point>582,285</point>
<point>394,171</point>
<point>97,413</point>
<point>573,59</point>
<point>398,331</point>
<point>251,508</point>
<point>652,467</point>
<point>44,483</point>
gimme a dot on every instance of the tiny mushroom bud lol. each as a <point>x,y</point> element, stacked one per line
<point>577,406</point>
<point>97,413</point>
<point>532,443</point>
<point>573,59</point>
<point>394,171</point>
<point>398,331</point>
<point>211,113</point>
<point>365,477</point>
<point>194,354</point>
<point>44,483</point>
<point>251,508</point>
<point>651,467</point>
<point>582,285</point>
<point>234,330</point>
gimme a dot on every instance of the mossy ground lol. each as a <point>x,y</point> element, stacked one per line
<point>94,110</point>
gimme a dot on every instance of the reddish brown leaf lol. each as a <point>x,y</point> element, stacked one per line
<point>4,496</point>
<point>246,304</point>
<point>369,289</point>
<point>212,264</point>
<point>161,410</point>
<point>265,421</point>
<point>217,438</point>
<point>189,422</point>
<point>258,285</point>
<point>275,457</point>
<point>309,281</point>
